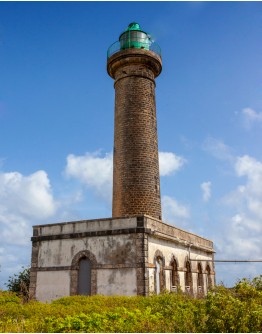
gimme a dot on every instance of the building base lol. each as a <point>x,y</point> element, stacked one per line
<point>118,256</point>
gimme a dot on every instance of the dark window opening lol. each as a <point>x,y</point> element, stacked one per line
<point>188,278</point>
<point>84,277</point>
<point>174,277</point>
<point>200,281</point>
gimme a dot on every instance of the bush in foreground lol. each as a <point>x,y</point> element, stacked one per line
<point>223,310</point>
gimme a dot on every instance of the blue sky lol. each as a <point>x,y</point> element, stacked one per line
<point>56,120</point>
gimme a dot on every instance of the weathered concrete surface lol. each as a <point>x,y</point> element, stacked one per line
<point>106,249</point>
<point>171,250</point>
<point>123,253</point>
<point>52,285</point>
<point>117,282</point>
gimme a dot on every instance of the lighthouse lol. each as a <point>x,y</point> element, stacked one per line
<point>134,252</point>
<point>134,62</point>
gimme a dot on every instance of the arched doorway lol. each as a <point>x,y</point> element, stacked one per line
<point>84,277</point>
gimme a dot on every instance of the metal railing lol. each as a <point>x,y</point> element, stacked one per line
<point>145,44</point>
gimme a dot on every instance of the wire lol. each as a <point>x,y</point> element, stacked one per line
<point>227,260</point>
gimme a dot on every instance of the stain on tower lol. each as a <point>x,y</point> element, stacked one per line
<point>134,66</point>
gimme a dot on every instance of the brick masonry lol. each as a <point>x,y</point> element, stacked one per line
<point>136,185</point>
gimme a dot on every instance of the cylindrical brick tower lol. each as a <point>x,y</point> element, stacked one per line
<point>134,62</point>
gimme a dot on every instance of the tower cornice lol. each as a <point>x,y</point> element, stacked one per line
<point>134,57</point>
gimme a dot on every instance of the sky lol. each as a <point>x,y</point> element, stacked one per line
<point>57,118</point>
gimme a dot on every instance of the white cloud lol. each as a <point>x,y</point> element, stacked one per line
<point>206,189</point>
<point>27,195</point>
<point>250,117</point>
<point>169,163</point>
<point>252,169</point>
<point>95,170</point>
<point>174,212</point>
<point>251,192</point>
<point>23,200</point>
<point>238,234</point>
<point>244,226</point>
<point>240,222</point>
<point>15,229</point>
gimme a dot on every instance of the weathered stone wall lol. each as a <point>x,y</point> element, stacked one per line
<point>52,285</point>
<point>117,282</point>
<point>136,185</point>
<point>176,234</point>
<point>123,259</point>
<point>170,250</point>
<point>116,254</point>
<point>114,267</point>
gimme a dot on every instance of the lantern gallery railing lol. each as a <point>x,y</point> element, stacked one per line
<point>136,43</point>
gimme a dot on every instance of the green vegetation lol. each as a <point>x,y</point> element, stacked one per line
<point>223,310</point>
<point>19,283</point>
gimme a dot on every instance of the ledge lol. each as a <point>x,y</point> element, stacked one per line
<point>117,226</point>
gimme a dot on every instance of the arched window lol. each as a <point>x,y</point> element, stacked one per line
<point>188,278</point>
<point>200,281</point>
<point>160,286</point>
<point>174,276</point>
<point>159,272</point>
<point>209,279</point>
<point>84,277</point>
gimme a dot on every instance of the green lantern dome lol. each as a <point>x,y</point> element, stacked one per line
<point>133,26</point>
<point>134,37</point>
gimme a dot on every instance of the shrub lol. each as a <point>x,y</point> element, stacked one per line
<point>223,310</point>
<point>19,283</point>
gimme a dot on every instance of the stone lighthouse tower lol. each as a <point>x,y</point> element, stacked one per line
<point>134,62</point>
<point>133,252</point>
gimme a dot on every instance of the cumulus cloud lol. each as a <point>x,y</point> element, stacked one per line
<point>27,195</point>
<point>247,197</point>
<point>95,170</point>
<point>174,212</point>
<point>251,117</point>
<point>239,214</point>
<point>252,169</point>
<point>23,200</point>
<point>206,190</point>
<point>169,163</point>
<point>244,230</point>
